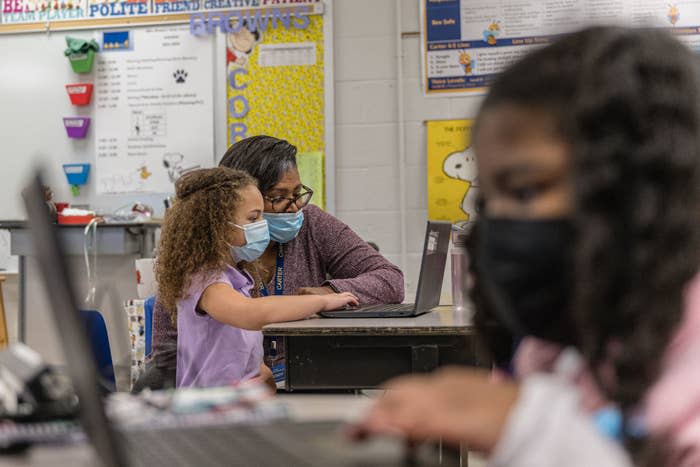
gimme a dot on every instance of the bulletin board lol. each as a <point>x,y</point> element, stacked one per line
<point>453,184</point>
<point>276,87</point>
<point>466,44</point>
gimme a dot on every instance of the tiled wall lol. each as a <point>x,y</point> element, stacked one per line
<point>366,122</point>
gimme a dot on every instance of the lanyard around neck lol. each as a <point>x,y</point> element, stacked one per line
<point>279,275</point>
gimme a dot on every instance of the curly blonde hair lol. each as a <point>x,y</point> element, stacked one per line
<point>197,229</point>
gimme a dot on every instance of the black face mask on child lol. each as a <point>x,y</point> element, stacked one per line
<point>524,268</point>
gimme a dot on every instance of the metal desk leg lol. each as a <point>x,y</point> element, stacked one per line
<point>148,243</point>
<point>463,455</point>
<point>424,358</point>
<point>22,301</point>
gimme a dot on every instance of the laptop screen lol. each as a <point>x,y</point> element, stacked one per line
<point>432,269</point>
<point>81,365</point>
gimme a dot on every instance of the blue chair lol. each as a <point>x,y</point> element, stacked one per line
<point>148,307</point>
<point>96,330</point>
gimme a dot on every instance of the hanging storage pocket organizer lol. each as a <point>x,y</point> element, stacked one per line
<point>82,63</point>
<point>76,127</point>
<point>77,175</point>
<point>81,53</point>
<point>79,93</point>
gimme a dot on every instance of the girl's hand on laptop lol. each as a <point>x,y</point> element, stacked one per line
<point>456,405</point>
<point>336,301</point>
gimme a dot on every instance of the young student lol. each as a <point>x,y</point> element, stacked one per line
<point>589,161</point>
<point>213,232</point>
<point>311,252</point>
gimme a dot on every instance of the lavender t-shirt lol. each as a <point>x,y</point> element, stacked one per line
<point>210,353</point>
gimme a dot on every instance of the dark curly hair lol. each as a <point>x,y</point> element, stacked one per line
<point>627,101</point>
<point>196,230</point>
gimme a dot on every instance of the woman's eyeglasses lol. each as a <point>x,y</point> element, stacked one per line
<point>281,204</point>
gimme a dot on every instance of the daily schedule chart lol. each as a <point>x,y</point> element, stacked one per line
<point>153,110</point>
<point>466,43</point>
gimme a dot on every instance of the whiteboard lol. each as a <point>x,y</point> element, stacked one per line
<point>33,100</point>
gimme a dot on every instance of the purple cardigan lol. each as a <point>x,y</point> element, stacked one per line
<point>325,247</point>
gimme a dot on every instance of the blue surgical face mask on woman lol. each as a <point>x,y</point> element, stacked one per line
<point>257,237</point>
<point>284,227</point>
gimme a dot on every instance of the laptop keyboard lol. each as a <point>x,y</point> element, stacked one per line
<point>380,307</point>
<point>235,446</point>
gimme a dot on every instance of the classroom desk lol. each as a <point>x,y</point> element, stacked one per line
<point>301,407</point>
<point>119,238</point>
<point>348,353</point>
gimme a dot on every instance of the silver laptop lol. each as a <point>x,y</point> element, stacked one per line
<point>432,270</point>
<point>245,444</point>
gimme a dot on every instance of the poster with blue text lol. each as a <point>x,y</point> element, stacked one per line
<point>206,16</point>
<point>466,43</point>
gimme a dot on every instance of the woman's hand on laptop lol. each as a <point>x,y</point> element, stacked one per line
<point>456,405</point>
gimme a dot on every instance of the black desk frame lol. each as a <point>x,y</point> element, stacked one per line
<point>332,362</point>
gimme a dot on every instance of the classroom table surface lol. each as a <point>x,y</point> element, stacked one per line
<point>442,320</point>
<point>301,408</point>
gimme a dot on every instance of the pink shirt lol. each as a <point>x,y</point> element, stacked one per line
<point>673,405</point>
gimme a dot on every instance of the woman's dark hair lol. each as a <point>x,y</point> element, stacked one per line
<point>265,158</point>
<point>627,101</point>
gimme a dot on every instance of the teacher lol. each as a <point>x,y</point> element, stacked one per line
<point>310,252</point>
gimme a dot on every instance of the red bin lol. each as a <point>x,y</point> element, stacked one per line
<point>79,93</point>
<point>74,220</point>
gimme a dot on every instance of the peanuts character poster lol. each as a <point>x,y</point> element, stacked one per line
<point>452,178</point>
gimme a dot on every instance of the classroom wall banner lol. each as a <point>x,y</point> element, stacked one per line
<point>41,11</point>
<point>276,87</point>
<point>39,15</point>
<point>118,9</point>
<point>154,112</point>
<point>452,178</point>
<point>466,43</point>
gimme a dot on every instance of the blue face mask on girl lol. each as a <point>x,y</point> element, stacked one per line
<point>257,237</point>
<point>284,227</point>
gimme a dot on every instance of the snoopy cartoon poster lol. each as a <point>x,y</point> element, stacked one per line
<point>452,178</point>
